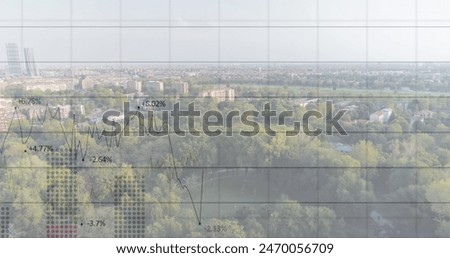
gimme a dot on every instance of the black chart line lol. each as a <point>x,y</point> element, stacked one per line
<point>201,194</point>
<point>183,185</point>
<point>77,146</point>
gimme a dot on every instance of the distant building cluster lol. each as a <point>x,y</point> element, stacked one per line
<point>179,87</point>
<point>6,109</point>
<point>220,95</point>
<point>154,86</point>
<point>86,83</point>
<point>421,116</point>
<point>134,85</point>
<point>381,116</point>
<point>53,87</point>
<point>64,110</point>
<point>137,85</point>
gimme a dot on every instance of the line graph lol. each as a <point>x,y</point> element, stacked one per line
<point>75,161</point>
<point>76,147</point>
<point>198,214</point>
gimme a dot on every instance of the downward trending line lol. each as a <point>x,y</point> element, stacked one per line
<point>185,187</point>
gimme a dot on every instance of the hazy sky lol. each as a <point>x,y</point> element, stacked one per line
<point>293,36</point>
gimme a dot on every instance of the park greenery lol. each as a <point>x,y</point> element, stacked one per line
<point>259,186</point>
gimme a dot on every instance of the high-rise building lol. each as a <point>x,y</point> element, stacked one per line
<point>12,53</point>
<point>29,62</point>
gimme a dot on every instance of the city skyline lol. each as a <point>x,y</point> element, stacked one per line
<point>15,61</point>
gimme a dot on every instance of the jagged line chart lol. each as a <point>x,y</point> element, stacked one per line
<point>80,148</point>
